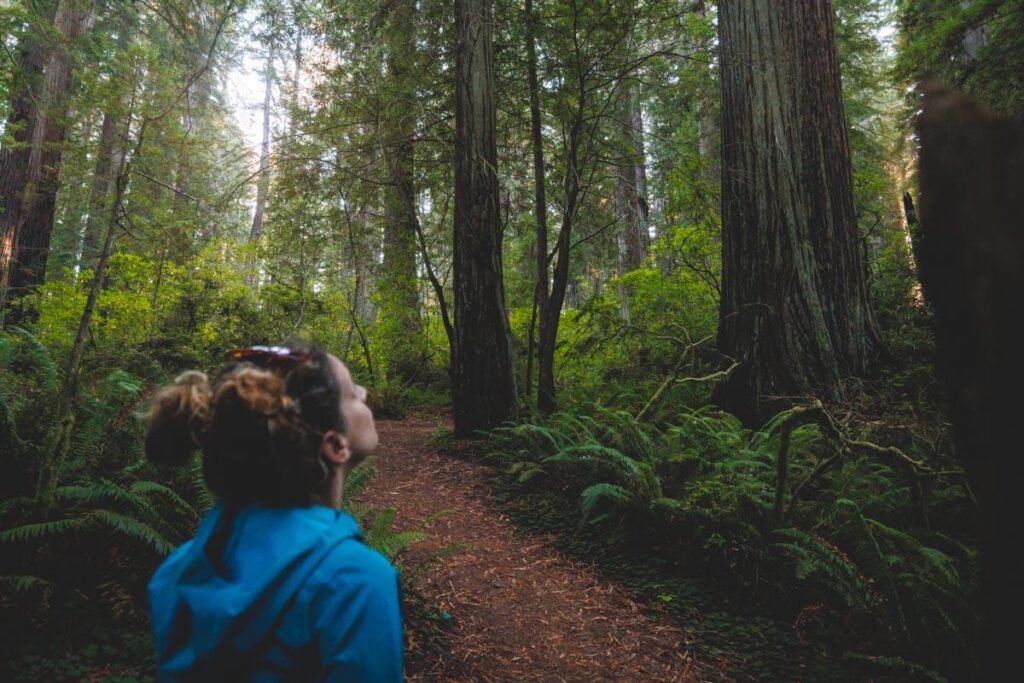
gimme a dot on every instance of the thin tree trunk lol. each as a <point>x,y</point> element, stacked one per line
<point>540,305</point>
<point>795,310</point>
<point>483,383</point>
<point>264,182</point>
<point>50,472</point>
<point>104,167</point>
<point>631,180</point>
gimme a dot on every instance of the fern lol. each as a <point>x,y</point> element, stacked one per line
<point>38,361</point>
<point>525,471</point>
<point>608,494</point>
<point>22,584</point>
<point>132,528</point>
<point>40,531</point>
<point>177,503</point>
<point>390,543</point>
<point>358,479</point>
<point>816,556</point>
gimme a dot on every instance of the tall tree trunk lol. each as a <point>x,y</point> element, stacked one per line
<point>29,233</point>
<point>631,179</point>
<point>197,96</point>
<point>581,135</point>
<point>104,165</point>
<point>707,122</point>
<point>399,322</point>
<point>14,167</point>
<point>540,307</point>
<point>263,185</point>
<point>483,384</point>
<point>794,310</point>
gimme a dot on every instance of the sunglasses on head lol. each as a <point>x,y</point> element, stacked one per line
<point>272,356</point>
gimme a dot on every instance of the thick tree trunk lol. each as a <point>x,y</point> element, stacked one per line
<point>399,320</point>
<point>795,310</point>
<point>970,254</point>
<point>14,157</point>
<point>28,234</point>
<point>483,384</point>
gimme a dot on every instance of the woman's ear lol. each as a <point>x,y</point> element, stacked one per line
<point>334,448</point>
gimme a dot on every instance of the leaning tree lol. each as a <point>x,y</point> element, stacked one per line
<point>795,312</point>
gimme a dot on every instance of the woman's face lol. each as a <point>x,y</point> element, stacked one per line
<point>359,427</point>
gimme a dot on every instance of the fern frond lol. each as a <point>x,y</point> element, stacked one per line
<point>132,528</point>
<point>597,494</point>
<point>20,584</point>
<point>150,488</point>
<point>40,361</point>
<point>815,555</point>
<point>19,504</point>
<point>358,479</point>
<point>40,530</point>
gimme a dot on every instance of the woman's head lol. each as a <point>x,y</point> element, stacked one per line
<point>275,425</point>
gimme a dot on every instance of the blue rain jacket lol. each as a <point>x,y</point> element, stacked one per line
<point>267,594</point>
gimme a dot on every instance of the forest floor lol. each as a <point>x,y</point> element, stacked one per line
<point>507,603</point>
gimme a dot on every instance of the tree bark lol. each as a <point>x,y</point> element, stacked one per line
<point>264,182</point>
<point>28,234</point>
<point>14,157</point>
<point>795,310</point>
<point>399,321</point>
<point>631,180</point>
<point>483,384</point>
<point>540,308</point>
<point>104,166</point>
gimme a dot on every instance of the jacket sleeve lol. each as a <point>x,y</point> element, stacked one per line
<point>357,619</point>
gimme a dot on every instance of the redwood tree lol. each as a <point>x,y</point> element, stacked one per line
<point>483,385</point>
<point>30,182</point>
<point>794,310</point>
<point>399,320</point>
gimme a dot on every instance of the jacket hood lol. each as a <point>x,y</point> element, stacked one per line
<point>215,599</point>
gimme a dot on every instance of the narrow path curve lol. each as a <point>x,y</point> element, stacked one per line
<point>520,610</point>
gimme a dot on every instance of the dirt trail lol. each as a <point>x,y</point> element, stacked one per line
<point>520,610</point>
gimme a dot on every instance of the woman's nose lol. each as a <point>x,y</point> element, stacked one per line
<point>360,392</point>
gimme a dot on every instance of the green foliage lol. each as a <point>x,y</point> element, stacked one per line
<point>701,488</point>
<point>100,499</point>
<point>378,525</point>
<point>977,45</point>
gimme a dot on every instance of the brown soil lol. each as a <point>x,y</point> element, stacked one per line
<point>519,609</point>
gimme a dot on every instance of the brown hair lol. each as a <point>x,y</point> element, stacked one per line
<point>260,430</point>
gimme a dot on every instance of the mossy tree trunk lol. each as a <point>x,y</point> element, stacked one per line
<point>795,310</point>
<point>483,385</point>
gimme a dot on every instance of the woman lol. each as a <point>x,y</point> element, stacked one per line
<point>276,584</point>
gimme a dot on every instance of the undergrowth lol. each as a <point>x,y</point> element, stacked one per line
<point>76,555</point>
<point>851,548</point>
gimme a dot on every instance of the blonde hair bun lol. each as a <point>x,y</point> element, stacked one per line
<point>177,419</point>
